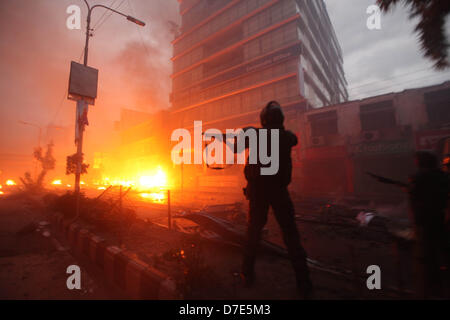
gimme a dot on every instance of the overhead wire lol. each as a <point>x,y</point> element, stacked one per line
<point>361,94</point>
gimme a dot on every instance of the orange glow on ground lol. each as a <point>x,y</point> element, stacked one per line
<point>154,196</point>
<point>157,180</point>
<point>144,180</point>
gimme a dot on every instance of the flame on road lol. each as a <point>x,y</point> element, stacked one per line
<point>148,180</point>
<point>158,180</point>
<point>57,182</point>
<point>154,196</point>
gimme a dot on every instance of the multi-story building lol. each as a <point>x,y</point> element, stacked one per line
<point>233,56</point>
<point>341,143</point>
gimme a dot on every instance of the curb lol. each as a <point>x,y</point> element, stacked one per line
<point>135,277</point>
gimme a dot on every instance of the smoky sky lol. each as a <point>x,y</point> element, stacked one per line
<point>134,65</point>
<point>36,48</point>
<point>380,61</point>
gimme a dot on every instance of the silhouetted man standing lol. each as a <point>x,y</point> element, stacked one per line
<point>428,193</point>
<point>271,190</point>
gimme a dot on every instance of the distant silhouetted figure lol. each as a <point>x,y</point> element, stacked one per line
<point>428,193</point>
<point>446,168</point>
<point>271,190</point>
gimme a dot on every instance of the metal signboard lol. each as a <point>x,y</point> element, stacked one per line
<point>83,83</point>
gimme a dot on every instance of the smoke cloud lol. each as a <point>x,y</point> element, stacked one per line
<point>36,48</point>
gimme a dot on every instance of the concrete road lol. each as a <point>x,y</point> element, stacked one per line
<point>33,263</point>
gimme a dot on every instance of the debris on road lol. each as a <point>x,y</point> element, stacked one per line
<point>364,218</point>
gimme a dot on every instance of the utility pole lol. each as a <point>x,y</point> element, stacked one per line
<point>82,105</point>
<point>169,212</point>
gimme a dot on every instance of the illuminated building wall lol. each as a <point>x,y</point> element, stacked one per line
<point>232,57</point>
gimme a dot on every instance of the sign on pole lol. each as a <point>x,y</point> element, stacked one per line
<point>83,83</point>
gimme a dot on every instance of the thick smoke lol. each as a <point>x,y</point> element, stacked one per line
<point>35,53</point>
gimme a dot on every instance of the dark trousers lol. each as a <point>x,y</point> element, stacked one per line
<point>432,261</point>
<point>278,198</point>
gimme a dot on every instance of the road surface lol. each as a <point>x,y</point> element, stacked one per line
<point>33,266</point>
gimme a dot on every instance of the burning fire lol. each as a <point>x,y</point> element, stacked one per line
<point>154,196</point>
<point>10,182</point>
<point>156,179</point>
<point>151,184</point>
<point>1,193</point>
<point>57,182</point>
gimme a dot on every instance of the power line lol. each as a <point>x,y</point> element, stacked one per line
<point>408,81</point>
<point>109,15</point>
<point>139,30</point>
<point>103,15</point>
<point>387,79</point>
<point>359,95</point>
<point>386,90</point>
<point>64,95</point>
<point>81,56</point>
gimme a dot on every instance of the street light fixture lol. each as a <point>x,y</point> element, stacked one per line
<point>40,130</point>
<point>36,126</point>
<point>82,106</point>
<point>88,27</point>
<point>137,21</point>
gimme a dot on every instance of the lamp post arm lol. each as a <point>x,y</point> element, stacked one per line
<point>110,9</point>
<point>88,26</point>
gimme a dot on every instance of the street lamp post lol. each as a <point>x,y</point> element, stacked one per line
<point>82,105</point>
<point>36,126</point>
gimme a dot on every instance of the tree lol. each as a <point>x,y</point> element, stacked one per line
<point>47,162</point>
<point>430,28</point>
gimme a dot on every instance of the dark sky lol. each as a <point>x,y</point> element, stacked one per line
<point>380,61</point>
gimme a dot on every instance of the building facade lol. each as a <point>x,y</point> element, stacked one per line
<point>341,143</point>
<point>233,56</point>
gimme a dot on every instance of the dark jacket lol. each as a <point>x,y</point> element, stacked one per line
<point>282,178</point>
<point>428,190</point>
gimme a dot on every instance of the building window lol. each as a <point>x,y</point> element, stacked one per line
<point>438,106</point>
<point>324,123</point>
<point>378,115</point>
